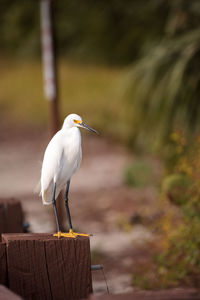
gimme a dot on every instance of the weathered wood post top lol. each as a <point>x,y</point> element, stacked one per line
<point>40,266</point>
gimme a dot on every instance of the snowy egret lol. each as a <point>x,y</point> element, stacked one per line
<point>62,159</point>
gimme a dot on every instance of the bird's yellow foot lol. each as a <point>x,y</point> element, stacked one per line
<point>70,234</point>
<point>59,234</point>
<point>78,234</point>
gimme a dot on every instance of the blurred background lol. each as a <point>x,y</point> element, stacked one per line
<point>131,70</point>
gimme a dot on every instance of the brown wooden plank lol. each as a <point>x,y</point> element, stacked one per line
<point>41,266</point>
<point>14,216</point>
<point>2,217</point>
<point>11,215</point>
<point>171,294</point>
<point>3,264</point>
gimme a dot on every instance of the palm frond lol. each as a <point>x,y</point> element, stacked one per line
<point>163,88</point>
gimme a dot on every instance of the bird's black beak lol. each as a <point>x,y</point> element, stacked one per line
<point>89,128</point>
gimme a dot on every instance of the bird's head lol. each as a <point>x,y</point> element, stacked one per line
<point>74,120</point>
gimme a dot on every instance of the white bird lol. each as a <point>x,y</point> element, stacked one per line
<point>62,159</point>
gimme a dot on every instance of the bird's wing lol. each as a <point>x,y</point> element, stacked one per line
<point>78,162</point>
<point>50,167</point>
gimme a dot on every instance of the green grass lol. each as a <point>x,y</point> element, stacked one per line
<point>91,91</point>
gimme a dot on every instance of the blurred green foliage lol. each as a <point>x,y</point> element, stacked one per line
<point>163,85</point>
<point>100,31</point>
<point>175,260</point>
<point>180,259</point>
<point>19,30</point>
<point>180,263</point>
<point>176,187</point>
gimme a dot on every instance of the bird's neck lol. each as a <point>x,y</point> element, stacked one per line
<point>66,125</point>
<point>72,131</point>
<point>72,139</point>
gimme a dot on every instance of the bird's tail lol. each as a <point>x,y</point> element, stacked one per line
<point>45,198</point>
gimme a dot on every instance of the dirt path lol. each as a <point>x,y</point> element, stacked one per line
<point>100,202</point>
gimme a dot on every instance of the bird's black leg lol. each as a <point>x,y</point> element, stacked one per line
<point>54,206</point>
<point>71,232</point>
<point>67,204</point>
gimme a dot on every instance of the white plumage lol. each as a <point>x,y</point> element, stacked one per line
<point>62,158</point>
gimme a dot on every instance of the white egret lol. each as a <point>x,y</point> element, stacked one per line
<point>62,159</point>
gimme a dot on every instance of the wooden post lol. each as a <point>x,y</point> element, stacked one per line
<point>11,216</point>
<point>49,64</point>
<point>3,265</point>
<point>41,266</point>
<point>50,80</point>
